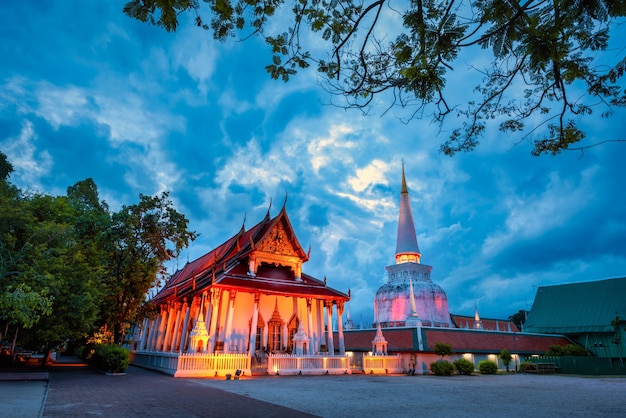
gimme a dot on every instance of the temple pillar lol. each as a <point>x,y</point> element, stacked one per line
<point>161,334</point>
<point>320,325</point>
<point>329,327</point>
<point>153,326</point>
<point>215,310</point>
<point>309,317</point>
<point>232,294</point>
<point>144,334</point>
<point>183,331</point>
<point>175,338</point>
<point>342,345</point>
<point>253,325</point>
<point>169,328</point>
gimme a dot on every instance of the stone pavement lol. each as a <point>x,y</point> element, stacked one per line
<point>73,391</point>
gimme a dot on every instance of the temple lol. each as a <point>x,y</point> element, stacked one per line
<point>244,306</point>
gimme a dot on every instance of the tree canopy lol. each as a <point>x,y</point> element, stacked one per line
<point>546,69</point>
<point>69,266</point>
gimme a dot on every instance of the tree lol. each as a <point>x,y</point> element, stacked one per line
<point>546,65</point>
<point>141,238</point>
<point>23,307</point>
<point>442,349</point>
<point>519,318</point>
<point>506,358</point>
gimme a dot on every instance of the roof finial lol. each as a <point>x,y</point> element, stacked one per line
<point>404,188</point>
<point>285,202</point>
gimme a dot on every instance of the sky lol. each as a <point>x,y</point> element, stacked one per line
<point>86,92</point>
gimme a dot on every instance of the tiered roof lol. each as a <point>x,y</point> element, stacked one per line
<point>226,266</point>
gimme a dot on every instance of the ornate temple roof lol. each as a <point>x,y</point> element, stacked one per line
<point>276,252</point>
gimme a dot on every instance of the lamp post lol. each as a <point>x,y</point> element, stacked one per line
<point>515,350</point>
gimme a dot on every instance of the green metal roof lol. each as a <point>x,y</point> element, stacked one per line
<point>578,308</point>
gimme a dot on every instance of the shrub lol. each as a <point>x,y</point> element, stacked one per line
<point>487,367</point>
<point>111,358</point>
<point>525,366</point>
<point>566,350</point>
<point>575,350</point>
<point>464,366</point>
<point>442,368</point>
<point>555,350</point>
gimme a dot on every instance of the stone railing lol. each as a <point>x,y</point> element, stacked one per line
<point>281,364</point>
<point>155,360</point>
<point>383,364</point>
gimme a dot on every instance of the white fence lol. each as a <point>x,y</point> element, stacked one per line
<point>383,364</point>
<point>192,364</point>
<point>278,364</point>
<point>205,365</point>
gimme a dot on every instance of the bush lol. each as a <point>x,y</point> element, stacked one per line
<point>464,366</point>
<point>525,366</point>
<point>110,358</point>
<point>566,350</point>
<point>442,368</point>
<point>487,367</point>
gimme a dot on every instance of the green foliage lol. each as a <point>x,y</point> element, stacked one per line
<point>69,267</point>
<point>487,367</point>
<point>464,366</point>
<point>23,307</point>
<point>442,368</point>
<point>139,240</point>
<point>526,366</point>
<point>552,49</point>
<point>506,358</point>
<point>567,350</point>
<point>442,349</point>
<point>519,318</point>
<point>110,358</point>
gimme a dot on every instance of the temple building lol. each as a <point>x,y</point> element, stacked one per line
<point>242,305</point>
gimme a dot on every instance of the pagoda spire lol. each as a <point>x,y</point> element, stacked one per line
<point>407,250</point>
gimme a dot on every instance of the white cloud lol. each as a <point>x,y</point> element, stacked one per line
<point>29,164</point>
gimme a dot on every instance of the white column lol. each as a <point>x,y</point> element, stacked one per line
<point>329,327</point>
<point>183,331</point>
<point>216,298</point>
<point>154,326</point>
<point>175,338</point>
<point>253,325</point>
<point>321,334</point>
<point>342,345</point>
<point>144,334</point>
<point>161,335</point>
<point>232,294</point>
<point>310,324</point>
<point>169,328</point>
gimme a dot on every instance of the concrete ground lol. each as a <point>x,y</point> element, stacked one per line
<point>80,391</point>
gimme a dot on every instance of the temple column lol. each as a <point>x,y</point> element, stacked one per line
<point>144,334</point>
<point>153,326</point>
<point>169,328</point>
<point>253,325</point>
<point>342,345</point>
<point>329,327</point>
<point>310,323</point>
<point>161,334</point>
<point>320,324</point>
<point>175,338</point>
<point>215,310</point>
<point>232,294</point>
<point>183,331</point>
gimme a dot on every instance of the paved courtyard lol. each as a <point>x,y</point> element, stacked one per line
<point>81,391</point>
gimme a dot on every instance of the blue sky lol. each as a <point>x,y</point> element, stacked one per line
<point>87,92</point>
